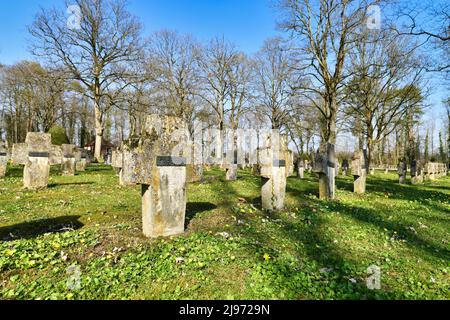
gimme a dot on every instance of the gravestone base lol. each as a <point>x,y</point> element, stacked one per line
<point>164,203</point>
<point>36,173</point>
<point>273,189</point>
<point>68,167</point>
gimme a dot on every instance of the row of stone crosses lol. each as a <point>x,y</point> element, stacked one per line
<point>163,174</point>
<point>38,154</point>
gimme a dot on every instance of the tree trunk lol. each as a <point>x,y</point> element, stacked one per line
<point>98,130</point>
<point>327,180</point>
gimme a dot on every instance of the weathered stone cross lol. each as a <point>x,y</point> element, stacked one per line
<point>359,171</point>
<point>37,154</point>
<point>157,162</point>
<point>273,175</point>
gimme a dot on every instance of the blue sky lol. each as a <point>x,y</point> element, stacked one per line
<point>247,23</point>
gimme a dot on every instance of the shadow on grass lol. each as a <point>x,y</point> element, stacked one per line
<point>14,171</point>
<point>194,208</point>
<point>402,229</point>
<point>55,185</point>
<point>33,229</point>
<point>409,192</point>
<point>302,280</point>
<point>98,169</point>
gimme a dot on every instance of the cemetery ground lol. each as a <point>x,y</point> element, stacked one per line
<point>231,249</point>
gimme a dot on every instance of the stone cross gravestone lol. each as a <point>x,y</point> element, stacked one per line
<point>308,166</point>
<point>325,166</point>
<point>230,158</point>
<point>337,167</point>
<point>290,160</point>
<point>301,168</point>
<point>402,170</point>
<point>3,158</point>
<point>416,172</point>
<point>37,154</point>
<point>157,162</point>
<point>359,171</point>
<point>273,176</point>
<point>345,166</point>
<point>194,167</point>
<point>116,161</point>
<point>287,155</point>
<point>80,159</point>
<point>68,159</point>
<point>231,168</point>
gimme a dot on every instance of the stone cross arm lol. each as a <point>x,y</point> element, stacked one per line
<point>36,145</point>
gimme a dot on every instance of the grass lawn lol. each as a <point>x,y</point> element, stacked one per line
<point>231,249</point>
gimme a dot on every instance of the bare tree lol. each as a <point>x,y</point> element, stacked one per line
<point>383,89</point>
<point>273,82</point>
<point>427,21</point>
<point>33,98</point>
<point>447,106</point>
<point>94,50</point>
<point>174,71</point>
<point>324,31</point>
<point>216,62</point>
<point>216,65</point>
<point>239,75</point>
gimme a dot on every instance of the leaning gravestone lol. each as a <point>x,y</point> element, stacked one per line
<point>68,160</point>
<point>273,176</point>
<point>157,162</point>
<point>324,166</point>
<point>359,171</point>
<point>36,155</point>
<point>3,158</point>
<point>401,170</point>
